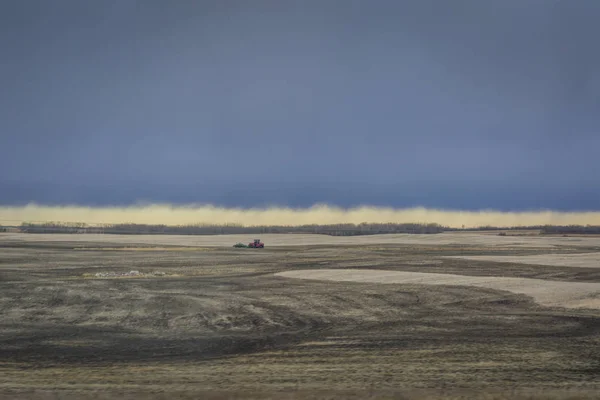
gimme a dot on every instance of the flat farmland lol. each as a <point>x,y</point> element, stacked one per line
<point>385,316</point>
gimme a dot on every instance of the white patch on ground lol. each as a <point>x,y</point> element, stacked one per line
<point>547,293</point>
<point>583,260</point>
<point>422,262</point>
<point>128,274</point>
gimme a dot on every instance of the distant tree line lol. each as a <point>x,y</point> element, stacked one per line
<point>572,229</point>
<point>201,229</point>
<point>497,228</point>
<point>331,229</point>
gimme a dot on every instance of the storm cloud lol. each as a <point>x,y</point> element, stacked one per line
<point>464,105</point>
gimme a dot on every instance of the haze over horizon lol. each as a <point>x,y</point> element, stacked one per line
<point>464,105</point>
<point>173,215</point>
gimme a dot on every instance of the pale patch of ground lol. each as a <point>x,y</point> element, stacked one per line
<point>582,260</point>
<point>129,274</point>
<point>274,240</point>
<point>423,262</point>
<point>144,249</point>
<point>547,293</point>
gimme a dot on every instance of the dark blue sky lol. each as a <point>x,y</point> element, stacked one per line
<point>458,104</point>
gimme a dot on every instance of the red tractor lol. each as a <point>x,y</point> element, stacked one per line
<point>257,244</point>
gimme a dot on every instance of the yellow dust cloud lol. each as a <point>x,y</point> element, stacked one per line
<point>166,214</point>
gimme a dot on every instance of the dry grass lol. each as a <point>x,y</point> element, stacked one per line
<point>548,293</point>
<point>300,394</point>
<point>582,260</point>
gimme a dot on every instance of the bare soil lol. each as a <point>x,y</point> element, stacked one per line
<point>219,322</point>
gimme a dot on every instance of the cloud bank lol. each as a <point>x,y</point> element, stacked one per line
<point>166,214</point>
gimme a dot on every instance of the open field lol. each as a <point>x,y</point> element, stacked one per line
<point>372,317</point>
<point>277,240</point>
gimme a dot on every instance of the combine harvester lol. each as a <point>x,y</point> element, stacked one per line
<point>257,244</point>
